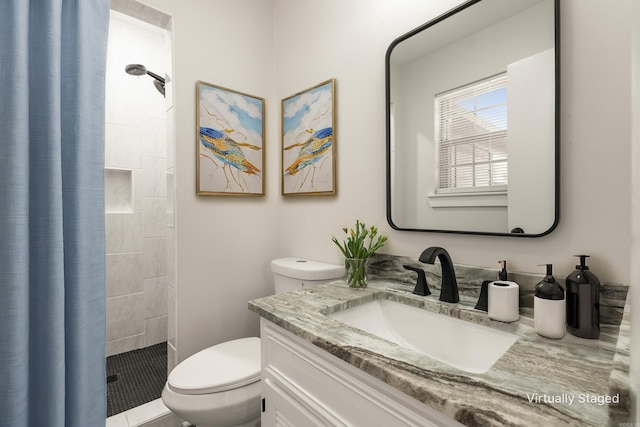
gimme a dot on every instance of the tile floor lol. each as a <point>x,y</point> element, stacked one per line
<point>152,414</point>
<point>140,376</point>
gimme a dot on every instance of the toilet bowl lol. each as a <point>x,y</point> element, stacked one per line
<point>220,385</point>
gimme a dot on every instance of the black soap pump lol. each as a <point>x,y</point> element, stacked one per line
<point>549,307</point>
<point>502,273</point>
<point>583,302</point>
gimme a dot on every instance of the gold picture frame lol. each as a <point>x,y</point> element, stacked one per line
<point>308,155</point>
<point>230,142</point>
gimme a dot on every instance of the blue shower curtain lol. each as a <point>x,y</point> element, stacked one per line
<point>52,268</point>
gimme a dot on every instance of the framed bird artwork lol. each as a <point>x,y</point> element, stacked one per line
<point>309,141</point>
<point>230,142</point>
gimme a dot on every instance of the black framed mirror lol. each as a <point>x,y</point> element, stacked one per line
<point>472,103</point>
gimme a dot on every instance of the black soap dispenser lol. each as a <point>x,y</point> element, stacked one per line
<point>583,302</point>
<point>549,307</point>
<point>502,273</point>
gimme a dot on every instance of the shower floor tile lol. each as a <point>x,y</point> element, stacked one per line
<point>135,378</point>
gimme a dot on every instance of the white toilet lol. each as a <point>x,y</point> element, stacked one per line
<point>220,385</point>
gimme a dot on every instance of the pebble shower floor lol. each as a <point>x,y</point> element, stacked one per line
<point>135,378</point>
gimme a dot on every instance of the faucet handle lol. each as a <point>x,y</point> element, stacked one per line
<point>421,284</point>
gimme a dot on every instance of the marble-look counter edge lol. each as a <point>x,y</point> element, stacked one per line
<point>619,383</point>
<point>577,366</point>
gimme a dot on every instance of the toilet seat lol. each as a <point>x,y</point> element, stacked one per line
<point>219,368</point>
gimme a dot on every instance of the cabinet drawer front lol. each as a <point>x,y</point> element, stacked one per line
<point>281,410</point>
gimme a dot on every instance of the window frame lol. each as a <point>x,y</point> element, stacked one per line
<point>493,194</point>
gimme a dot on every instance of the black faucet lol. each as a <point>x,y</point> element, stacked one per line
<point>449,288</point>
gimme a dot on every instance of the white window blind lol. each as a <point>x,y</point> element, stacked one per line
<point>471,132</point>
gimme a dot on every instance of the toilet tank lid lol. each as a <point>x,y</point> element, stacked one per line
<point>304,269</point>
<point>222,367</point>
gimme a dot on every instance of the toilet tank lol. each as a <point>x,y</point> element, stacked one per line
<point>290,274</point>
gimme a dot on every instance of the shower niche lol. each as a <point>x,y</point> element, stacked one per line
<point>118,189</point>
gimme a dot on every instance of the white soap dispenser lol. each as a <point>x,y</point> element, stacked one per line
<point>549,307</point>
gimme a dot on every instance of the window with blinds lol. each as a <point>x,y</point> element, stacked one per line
<point>471,132</point>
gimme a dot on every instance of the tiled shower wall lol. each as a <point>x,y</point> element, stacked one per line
<point>137,167</point>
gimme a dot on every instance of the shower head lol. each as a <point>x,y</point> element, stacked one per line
<point>140,70</point>
<point>136,69</point>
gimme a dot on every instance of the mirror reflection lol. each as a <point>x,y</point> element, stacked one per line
<point>471,121</point>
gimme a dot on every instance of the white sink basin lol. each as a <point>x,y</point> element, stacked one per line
<point>463,345</point>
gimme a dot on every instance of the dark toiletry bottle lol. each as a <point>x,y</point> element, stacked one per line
<point>549,307</point>
<point>583,302</point>
<point>502,273</point>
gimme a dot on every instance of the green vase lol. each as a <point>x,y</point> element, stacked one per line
<point>356,272</point>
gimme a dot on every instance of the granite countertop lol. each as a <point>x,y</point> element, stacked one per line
<point>538,381</point>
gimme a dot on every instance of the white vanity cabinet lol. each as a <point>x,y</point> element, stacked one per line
<point>303,385</point>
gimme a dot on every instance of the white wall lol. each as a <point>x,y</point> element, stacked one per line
<point>347,41</point>
<point>595,176</point>
<point>274,49</point>
<point>223,244</point>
